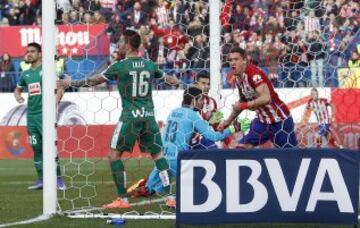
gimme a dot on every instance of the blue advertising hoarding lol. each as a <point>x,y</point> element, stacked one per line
<point>288,185</point>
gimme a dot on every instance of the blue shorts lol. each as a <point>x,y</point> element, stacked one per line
<point>282,134</point>
<point>154,184</point>
<point>204,144</point>
<point>324,129</point>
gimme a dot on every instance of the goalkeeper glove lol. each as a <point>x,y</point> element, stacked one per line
<point>216,117</point>
<point>240,125</point>
<point>244,124</point>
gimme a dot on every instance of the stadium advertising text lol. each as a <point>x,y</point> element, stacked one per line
<point>75,41</point>
<point>268,186</point>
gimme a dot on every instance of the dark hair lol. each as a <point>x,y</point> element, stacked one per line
<point>189,95</point>
<point>35,45</point>
<point>241,51</point>
<point>133,38</point>
<point>202,74</point>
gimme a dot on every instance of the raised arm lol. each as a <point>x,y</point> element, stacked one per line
<point>203,128</point>
<point>263,99</point>
<point>234,114</point>
<point>88,82</point>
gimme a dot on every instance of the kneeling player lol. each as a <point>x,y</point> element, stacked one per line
<point>208,112</point>
<point>179,127</point>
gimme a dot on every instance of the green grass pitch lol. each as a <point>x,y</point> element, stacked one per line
<point>17,203</point>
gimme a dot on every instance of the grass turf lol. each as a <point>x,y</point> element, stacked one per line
<point>86,188</point>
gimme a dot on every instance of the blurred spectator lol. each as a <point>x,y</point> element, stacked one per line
<point>74,17</point>
<point>64,5</point>
<point>316,55</point>
<point>161,52</point>
<point>226,47</point>
<point>65,19</point>
<point>106,8</point>
<point>311,23</point>
<point>91,5</point>
<point>27,12</point>
<point>173,36</point>
<point>134,17</point>
<point>114,32</point>
<point>98,18</point>
<point>198,54</point>
<point>354,61</point>
<point>4,22</point>
<point>241,18</point>
<point>7,74</point>
<point>162,13</point>
<point>291,21</point>
<point>87,19</point>
<point>13,16</point>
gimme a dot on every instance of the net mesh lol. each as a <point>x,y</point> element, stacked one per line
<point>298,44</point>
<point>174,35</point>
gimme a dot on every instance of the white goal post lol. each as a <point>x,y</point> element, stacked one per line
<point>49,101</point>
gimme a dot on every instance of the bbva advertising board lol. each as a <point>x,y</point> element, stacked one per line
<point>246,186</point>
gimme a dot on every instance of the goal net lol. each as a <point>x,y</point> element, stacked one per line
<point>175,35</point>
<point>300,45</point>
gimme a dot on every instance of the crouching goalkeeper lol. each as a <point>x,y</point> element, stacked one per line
<point>180,125</point>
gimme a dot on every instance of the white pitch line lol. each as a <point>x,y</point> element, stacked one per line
<point>13,168</point>
<point>33,220</point>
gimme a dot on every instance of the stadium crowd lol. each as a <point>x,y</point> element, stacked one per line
<point>298,43</point>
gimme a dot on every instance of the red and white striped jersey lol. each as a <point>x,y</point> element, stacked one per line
<point>209,104</point>
<point>253,77</point>
<point>162,15</point>
<point>320,108</point>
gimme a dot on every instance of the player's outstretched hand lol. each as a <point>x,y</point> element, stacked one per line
<point>63,83</point>
<point>221,126</point>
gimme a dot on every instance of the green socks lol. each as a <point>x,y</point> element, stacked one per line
<point>38,160</point>
<point>162,165</point>
<point>58,171</point>
<point>119,176</point>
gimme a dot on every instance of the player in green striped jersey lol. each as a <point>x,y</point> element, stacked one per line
<point>134,76</point>
<point>32,80</point>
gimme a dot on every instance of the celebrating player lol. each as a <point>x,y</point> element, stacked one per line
<point>31,78</point>
<point>180,124</point>
<point>273,121</point>
<point>134,75</point>
<point>320,108</point>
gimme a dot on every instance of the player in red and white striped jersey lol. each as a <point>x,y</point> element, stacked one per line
<point>321,111</point>
<point>273,121</point>
<point>209,107</point>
